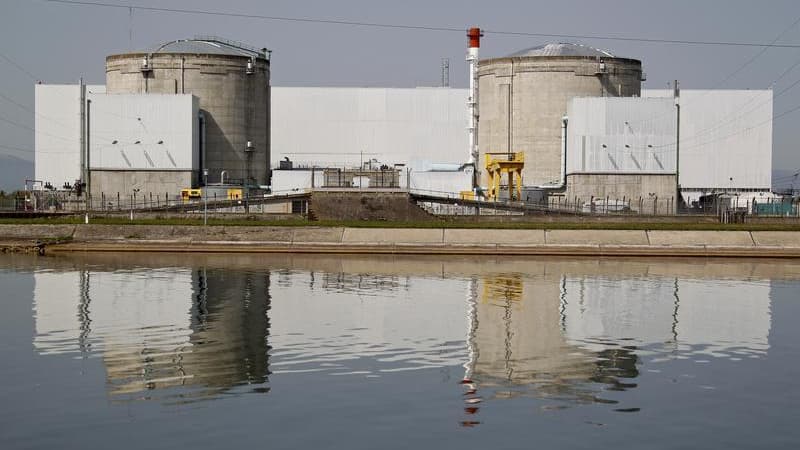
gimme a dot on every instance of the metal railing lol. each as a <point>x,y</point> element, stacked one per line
<point>70,202</point>
<point>554,205</point>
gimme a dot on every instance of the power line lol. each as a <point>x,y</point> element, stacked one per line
<point>16,149</point>
<point>743,130</point>
<point>758,55</point>
<point>31,110</point>
<point>129,7</point>
<point>22,69</point>
<point>734,115</point>
<point>742,67</point>
<point>26,127</point>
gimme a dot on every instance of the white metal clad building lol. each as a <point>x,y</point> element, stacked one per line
<point>726,139</point>
<point>144,132</point>
<point>621,135</point>
<point>332,126</point>
<point>57,156</point>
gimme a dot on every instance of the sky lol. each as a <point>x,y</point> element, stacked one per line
<point>58,43</point>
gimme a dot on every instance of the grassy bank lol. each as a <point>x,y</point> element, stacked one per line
<point>421,224</point>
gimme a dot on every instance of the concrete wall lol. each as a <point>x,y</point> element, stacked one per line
<point>156,182</point>
<point>235,105</point>
<point>522,101</point>
<point>650,188</point>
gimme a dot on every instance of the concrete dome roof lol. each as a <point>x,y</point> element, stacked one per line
<point>207,46</point>
<point>562,49</point>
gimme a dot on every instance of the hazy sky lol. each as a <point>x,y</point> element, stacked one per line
<point>60,43</point>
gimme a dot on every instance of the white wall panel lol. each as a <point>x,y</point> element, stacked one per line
<point>726,138</point>
<point>57,158</point>
<point>287,181</point>
<point>621,135</point>
<point>439,182</point>
<point>143,132</point>
<point>332,126</point>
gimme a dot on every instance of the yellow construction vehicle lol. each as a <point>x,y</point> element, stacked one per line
<point>191,195</point>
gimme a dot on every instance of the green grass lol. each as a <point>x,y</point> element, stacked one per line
<point>420,224</point>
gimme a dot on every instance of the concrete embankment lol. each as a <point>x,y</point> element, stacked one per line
<point>257,239</point>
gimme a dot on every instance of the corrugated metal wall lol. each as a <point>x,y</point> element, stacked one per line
<point>57,158</point>
<point>726,138</point>
<point>621,135</point>
<point>726,135</point>
<point>143,131</point>
<point>332,126</point>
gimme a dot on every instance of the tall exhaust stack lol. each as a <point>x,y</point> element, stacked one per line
<point>474,35</point>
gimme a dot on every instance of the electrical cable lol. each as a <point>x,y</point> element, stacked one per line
<point>22,69</point>
<point>415,27</point>
<point>16,149</point>
<point>742,67</point>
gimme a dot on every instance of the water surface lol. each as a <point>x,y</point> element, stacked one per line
<point>158,351</point>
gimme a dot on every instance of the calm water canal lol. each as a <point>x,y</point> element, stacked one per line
<point>155,351</point>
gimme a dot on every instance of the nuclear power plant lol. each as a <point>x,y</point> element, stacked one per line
<point>524,98</point>
<point>558,126</point>
<point>231,82</point>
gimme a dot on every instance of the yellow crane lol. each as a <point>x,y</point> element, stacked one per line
<point>499,164</point>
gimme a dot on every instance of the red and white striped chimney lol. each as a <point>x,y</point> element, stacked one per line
<point>474,35</point>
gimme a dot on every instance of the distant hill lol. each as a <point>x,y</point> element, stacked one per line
<point>13,172</point>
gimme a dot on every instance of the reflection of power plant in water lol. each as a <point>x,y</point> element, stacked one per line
<point>201,329</point>
<point>571,337</point>
<point>520,345</point>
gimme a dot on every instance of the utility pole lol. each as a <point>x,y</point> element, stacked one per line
<point>248,152</point>
<point>88,157</point>
<point>84,162</point>
<point>677,95</point>
<point>205,197</point>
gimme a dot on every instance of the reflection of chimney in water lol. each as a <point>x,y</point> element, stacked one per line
<point>471,397</point>
<point>83,314</point>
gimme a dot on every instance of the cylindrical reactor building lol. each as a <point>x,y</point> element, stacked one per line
<point>523,98</point>
<point>232,83</point>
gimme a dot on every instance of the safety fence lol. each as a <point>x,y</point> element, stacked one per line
<point>55,201</point>
<point>452,203</point>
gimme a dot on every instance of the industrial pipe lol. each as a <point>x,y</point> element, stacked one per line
<point>562,182</point>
